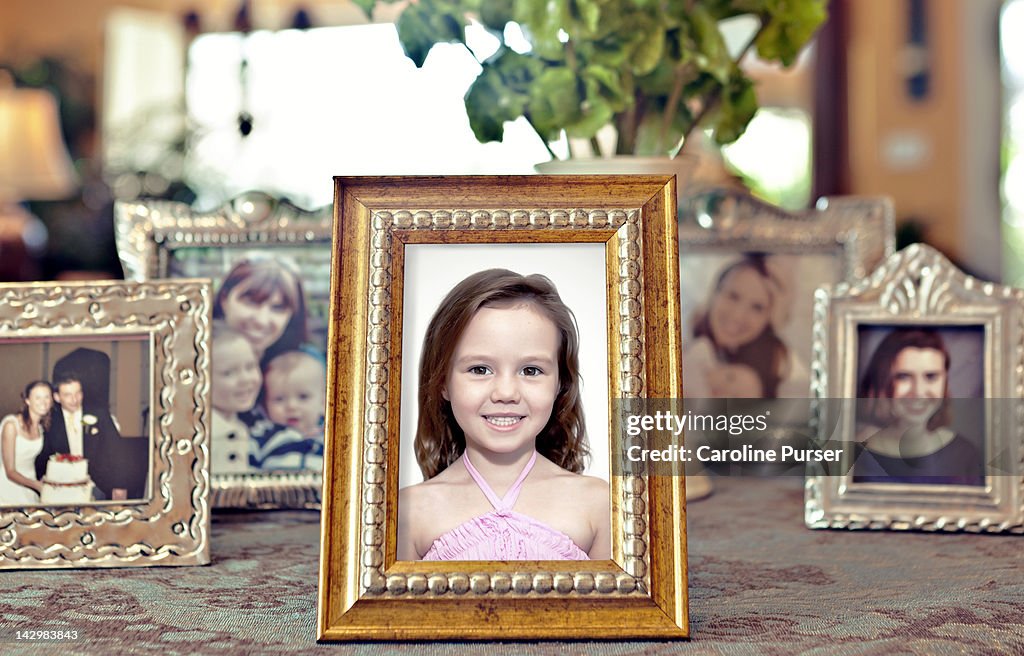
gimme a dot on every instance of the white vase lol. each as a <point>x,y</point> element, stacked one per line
<point>683,167</point>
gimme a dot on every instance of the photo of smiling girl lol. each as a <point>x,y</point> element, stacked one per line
<point>905,429</point>
<point>736,348</point>
<point>501,436</point>
<point>244,437</point>
<point>235,383</point>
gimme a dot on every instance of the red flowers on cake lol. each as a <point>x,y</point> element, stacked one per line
<point>67,457</point>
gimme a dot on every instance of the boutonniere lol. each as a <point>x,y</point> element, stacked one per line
<point>91,421</point>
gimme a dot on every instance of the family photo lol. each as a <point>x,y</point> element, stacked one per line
<point>268,355</point>
<point>746,321</point>
<point>75,426</point>
<point>504,428</point>
<point>920,416</point>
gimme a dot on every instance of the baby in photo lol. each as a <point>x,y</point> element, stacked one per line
<point>295,395</point>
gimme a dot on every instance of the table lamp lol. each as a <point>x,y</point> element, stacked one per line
<point>34,165</point>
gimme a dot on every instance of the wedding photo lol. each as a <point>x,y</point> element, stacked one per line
<point>75,421</point>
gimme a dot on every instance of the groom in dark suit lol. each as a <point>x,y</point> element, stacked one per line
<point>81,424</point>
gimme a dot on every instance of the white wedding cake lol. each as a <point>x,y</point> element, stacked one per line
<point>66,481</point>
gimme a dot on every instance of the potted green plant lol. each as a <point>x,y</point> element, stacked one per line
<point>655,70</point>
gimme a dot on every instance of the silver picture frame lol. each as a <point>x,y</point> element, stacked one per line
<point>158,334</point>
<point>163,239</point>
<point>918,289</point>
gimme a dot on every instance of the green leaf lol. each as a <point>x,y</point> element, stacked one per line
<point>517,71</point>
<point>721,9</point>
<point>585,13</point>
<point>658,82</point>
<point>427,22</point>
<point>648,135</point>
<point>604,83</point>
<point>596,113</point>
<point>648,51</point>
<point>736,108</point>
<point>554,101</point>
<point>541,24</point>
<point>788,28</point>
<point>712,53</point>
<point>495,14</point>
<point>490,101</point>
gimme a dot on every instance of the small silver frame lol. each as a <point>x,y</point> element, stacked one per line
<point>148,232</point>
<point>919,286</point>
<point>171,525</point>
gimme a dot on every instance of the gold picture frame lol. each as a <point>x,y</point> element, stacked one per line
<point>365,592</point>
<point>919,300</point>
<point>164,239</point>
<point>153,339</point>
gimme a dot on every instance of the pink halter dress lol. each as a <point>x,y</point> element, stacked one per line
<point>503,534</point>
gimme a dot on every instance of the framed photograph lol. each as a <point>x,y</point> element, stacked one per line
<point>270,266</point>
<point>482,331</point>
<point>918,377</point>
<point>748,271</point>
<point>105,430</point>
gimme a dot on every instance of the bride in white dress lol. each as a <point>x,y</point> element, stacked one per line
<point>21,440</point>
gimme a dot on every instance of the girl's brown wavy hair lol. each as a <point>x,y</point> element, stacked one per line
<point>439,439</point>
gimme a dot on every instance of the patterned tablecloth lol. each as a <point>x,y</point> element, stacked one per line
<point>760,583</point>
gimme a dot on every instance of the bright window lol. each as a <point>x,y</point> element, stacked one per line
<point>335,101</point>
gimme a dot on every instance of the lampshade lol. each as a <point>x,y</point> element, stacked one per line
<point>34,163</point>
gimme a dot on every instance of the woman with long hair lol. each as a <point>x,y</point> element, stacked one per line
<point>21,440</point>
<point>904,415</point>
<point>736,351</point>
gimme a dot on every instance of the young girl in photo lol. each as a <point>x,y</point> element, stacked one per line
<point>904,425</point>
<point>243,437</point>
<point>236,381</point>
<point>501,437</point>
<point>736,350</point>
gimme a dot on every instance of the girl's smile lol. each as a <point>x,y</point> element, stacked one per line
<point>504,377</point>
<point>504,422</point>
<point>236,376</point>
<point>918,383</point>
